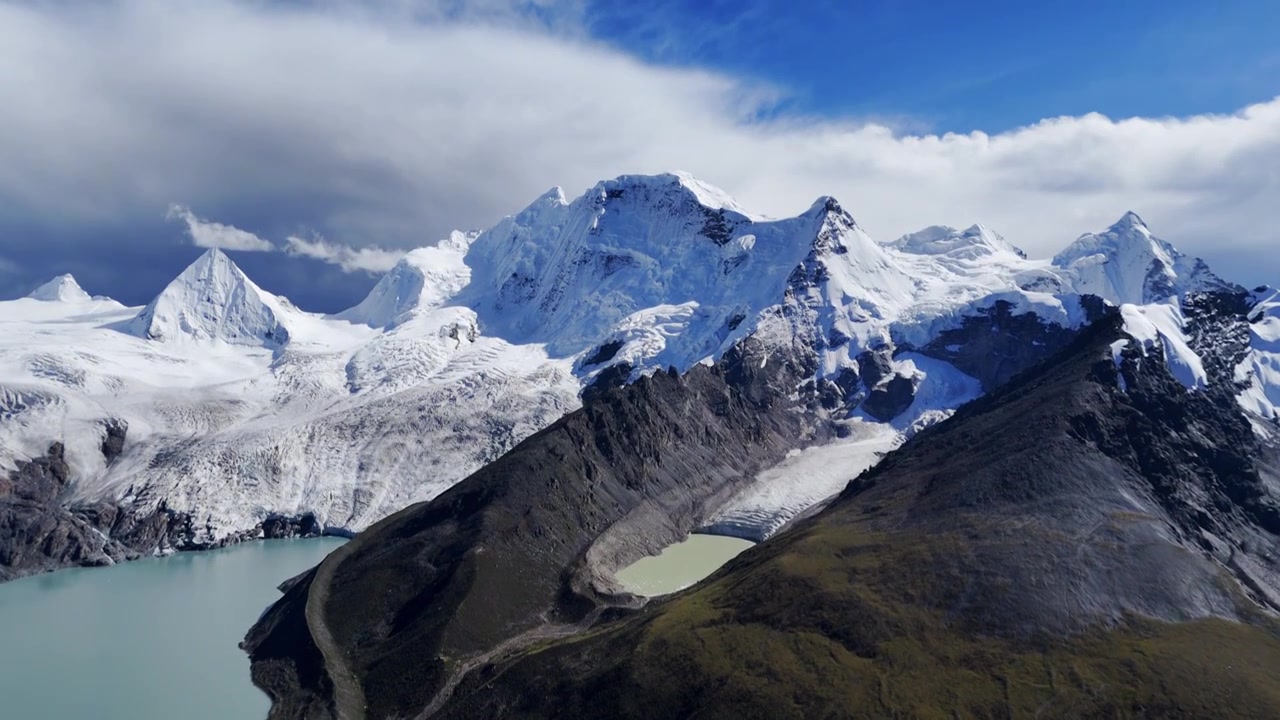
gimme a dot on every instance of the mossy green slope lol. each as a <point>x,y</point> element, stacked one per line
<point>838,626</point>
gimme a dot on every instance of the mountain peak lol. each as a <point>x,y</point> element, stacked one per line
<point>679,183</point>
<point>968,244</point>
<point>63,288</point>
<point>424,278</point>
<point>213,256</point>
<point>212,299</point>
<point>1129,220</point>
<point>1126,263</point>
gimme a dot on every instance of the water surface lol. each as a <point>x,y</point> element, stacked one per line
<point>680,565</point>
<point>154,638</point>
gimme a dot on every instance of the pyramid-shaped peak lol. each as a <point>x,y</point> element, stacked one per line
<point>213,260</point>
<point>554,196</point>
<point>1130,220</point>
<point>212,299</point>
<point>1127,239</point>
<point>1126,263</point>
<point>212,256</point>
<point>824,205</point>
<point>63,288</point>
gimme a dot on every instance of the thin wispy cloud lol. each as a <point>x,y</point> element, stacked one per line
<point>209,234</point>
<point>372,259</point>
<point>350,120</point>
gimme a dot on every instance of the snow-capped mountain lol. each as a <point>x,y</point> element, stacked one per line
<point>241,407</point>
<point>424,279</point>
<point>1127,264</point>
<point>213,300</point>
<point>63,288</point>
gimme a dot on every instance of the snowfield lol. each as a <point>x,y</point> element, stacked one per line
<point>240,405</point>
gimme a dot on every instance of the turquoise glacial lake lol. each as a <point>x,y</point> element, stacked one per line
<point>155,638</point>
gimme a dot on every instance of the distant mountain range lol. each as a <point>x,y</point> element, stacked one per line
<point>220,412</point>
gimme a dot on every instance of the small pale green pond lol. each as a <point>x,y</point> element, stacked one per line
<point>680,565</point>
<point>154,638</point>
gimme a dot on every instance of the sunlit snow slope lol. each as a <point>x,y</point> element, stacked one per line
<point>241,406</point>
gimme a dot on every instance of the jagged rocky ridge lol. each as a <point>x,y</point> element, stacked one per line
<point>244,409</point>
<point>1091,539</point>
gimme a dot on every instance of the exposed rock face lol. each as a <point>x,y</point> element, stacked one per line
<point>39,480</point>
<point>526,548</point>
<point>113,440</point>
<point>278,526</point>
<point>1217,329</point>
<point>38,532</point>
<point>997,344</point>
<point>890,398</point>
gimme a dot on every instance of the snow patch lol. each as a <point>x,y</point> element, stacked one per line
<point>1162,324</point>
<point>1260,371</point>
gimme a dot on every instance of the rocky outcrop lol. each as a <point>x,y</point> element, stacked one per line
<point>1217,329</point>
<point>36,533</point>
<point>113,437</point>
<point>39,480</point>
<point>525,549</point>
<point>39,531</point>
<point>997,343</point>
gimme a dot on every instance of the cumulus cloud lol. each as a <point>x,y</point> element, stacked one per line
<point>348,119</point>
<point>372,259</point>
<point>209,234</point>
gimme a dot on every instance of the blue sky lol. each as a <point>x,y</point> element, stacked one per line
<point>329,136</point>
<point>962,66</point>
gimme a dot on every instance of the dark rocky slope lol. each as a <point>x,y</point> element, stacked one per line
<point>525,549</point>
<point>1061,548</point>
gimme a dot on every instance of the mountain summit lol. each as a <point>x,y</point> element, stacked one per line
<point>1126,263</point>
<point>423,279</point>
<point>213,300</point>
<point>63,288</point>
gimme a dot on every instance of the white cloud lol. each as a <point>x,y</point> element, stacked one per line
<point>209,234</point>
<point>360,124</point>
<point>372,259</point>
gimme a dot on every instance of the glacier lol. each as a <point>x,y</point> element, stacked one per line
<point>241,406</point>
